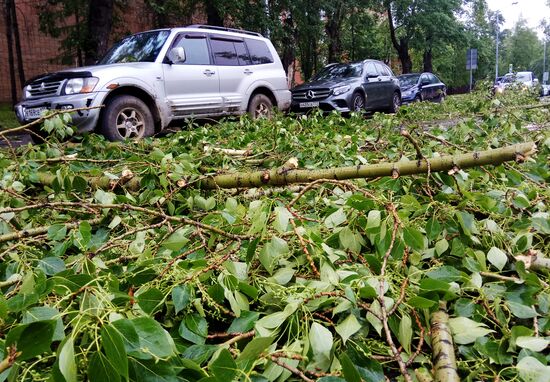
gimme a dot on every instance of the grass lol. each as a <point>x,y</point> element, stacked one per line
<point>7,117</point>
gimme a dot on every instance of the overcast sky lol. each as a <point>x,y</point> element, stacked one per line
<point>531,10</point>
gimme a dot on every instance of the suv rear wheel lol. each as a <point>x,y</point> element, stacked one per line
<point>127,117</point>
<point>260,106</point>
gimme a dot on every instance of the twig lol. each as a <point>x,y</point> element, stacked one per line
<point>180,256</point>
<point>501,277</point>
<point>292,369</point>
<point>8,362</point>
<point>304,248</point>
<point>420,339</point>
<point>241,336</point>
<point>41,230</point>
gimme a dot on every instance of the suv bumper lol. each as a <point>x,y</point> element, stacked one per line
<point>283,99</point>
<point>83,120</point>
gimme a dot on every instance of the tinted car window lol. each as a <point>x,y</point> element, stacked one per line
<point>382,70</point>
<point>340,71</point>
<point>224,52</point>
<point>408,80</point>
<point>433,79</point>
<point>242,53</point>
<point>371,70</point>
<point>259,52</point>
<point>196,49</point>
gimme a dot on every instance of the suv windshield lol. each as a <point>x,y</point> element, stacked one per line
<point>340,71</point>
<point>141,47</point>
<point>408,80</point>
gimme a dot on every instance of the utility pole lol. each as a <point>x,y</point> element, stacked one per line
<point>496,61</point>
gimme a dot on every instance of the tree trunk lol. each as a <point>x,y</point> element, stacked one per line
<point>8,4</point>
<point>401,46</point>
<point>17,40</point>
<point>213,16</point>
<point>282,177</point>
<point>428,63</point>
<point>333,30</point>
<point>100,23</point>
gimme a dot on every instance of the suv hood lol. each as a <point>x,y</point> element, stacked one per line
<point>326,84</point>
<point>88,71</point>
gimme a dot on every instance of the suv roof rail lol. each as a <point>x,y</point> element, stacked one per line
<point>201,26</point>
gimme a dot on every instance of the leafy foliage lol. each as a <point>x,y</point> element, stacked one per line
<point>331,281</point>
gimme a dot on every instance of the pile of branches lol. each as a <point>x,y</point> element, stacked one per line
<point>301,249</point>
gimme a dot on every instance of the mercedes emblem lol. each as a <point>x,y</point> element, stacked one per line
<point>310,94</point>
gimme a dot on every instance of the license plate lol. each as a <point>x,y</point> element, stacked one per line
<point>34,113</point>
<point>309,104</point>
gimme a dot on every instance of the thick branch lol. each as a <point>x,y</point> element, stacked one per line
<point>40,230</point>
<point>275,177</point>
<point>443,351</point>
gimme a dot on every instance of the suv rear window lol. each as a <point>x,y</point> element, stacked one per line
<point>259,52</point>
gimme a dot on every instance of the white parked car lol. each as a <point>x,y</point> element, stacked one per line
<point>523,80</point>
<point>150,79</point>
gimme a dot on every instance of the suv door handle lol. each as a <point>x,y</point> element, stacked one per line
<point>248,71</point>
<point>209,72</point>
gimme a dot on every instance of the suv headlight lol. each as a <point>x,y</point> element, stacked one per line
<point>27,92</point>
<point>81,85</point>
<point>341,90</point>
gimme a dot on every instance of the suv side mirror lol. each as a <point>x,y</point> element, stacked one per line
<point>177,55</point>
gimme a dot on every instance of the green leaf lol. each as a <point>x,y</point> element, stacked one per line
<point>45,313</point>
<point>252,351</point>
<point>348,327</point>
<point>153,339</point>
<point>467,222</point>
<point>152,371</point>
<point>57,232</point>
<point>350,372</point>
<point>350,240</point>
<point>150,301</point>
<point>531,369</point>
<point>223,367</point>
<point>31,339</point>
<point>421,302</point>
<point>320,339</point>
<point>194,329</point>
<point>433,228</point>
<point>177,240</point>
<point>405,332</point>
<point>66,360</point>
<point>522,311</point>
<point>536,344</point>
<point>441,246</point>
<point>335,219</point>
<point>466,331</point>
<point>200,353</point>
<point>244,323</point>
<point>413,238</point>
<point>101,370</point>
<point>373,222</point>
<point>51,265</point>
<point>497,258</point>
<point>181,296</point>
<point>113,346</point>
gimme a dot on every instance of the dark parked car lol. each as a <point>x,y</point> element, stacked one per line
<point>421,87</point>
<point>358,86</point>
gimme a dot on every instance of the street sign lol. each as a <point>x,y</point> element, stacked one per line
<point>471,59</point>
<point>545,77</point>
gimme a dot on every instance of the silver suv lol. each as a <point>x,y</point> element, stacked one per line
<point>150,79</point>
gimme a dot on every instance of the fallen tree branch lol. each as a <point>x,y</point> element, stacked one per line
<point>443,351</point>
<point>276,177</point>
<point>535,261</point>
<point>41,230</point>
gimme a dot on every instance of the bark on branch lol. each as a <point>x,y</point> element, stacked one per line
<point>444,360</point>
<point>276,177</point>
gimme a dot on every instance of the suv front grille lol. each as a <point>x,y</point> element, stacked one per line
<point>310,95</point>
<point>42,89</point>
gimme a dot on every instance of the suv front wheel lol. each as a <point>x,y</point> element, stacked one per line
<point>260,106</point>
<point>127,117</point>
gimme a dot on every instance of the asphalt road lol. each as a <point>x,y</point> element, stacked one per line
<point>15,140</point>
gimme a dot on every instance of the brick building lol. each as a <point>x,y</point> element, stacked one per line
<point>41,52</point>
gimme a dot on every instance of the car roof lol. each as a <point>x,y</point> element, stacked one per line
<point>209,28</point>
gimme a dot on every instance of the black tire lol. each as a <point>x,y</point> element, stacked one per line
<point>127,117</point>
<point>358,103</point>
<point>395,103</point>
<point>260,106</point>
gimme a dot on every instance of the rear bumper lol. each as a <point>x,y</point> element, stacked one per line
<point>283,99</point>
<point>83,120</point>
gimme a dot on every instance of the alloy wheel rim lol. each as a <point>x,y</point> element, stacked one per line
<point>358,104</point>
<point>262,110</point>
<point>130,123</point>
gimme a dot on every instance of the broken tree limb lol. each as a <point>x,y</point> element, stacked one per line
<point>443,357</point>
<point>276,177</point>
<point>534,260</point>
<point>41,230</point>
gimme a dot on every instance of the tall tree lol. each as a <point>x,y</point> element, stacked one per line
<point>7,6</point>
<point>401,21</point>
<point>100,23</point>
